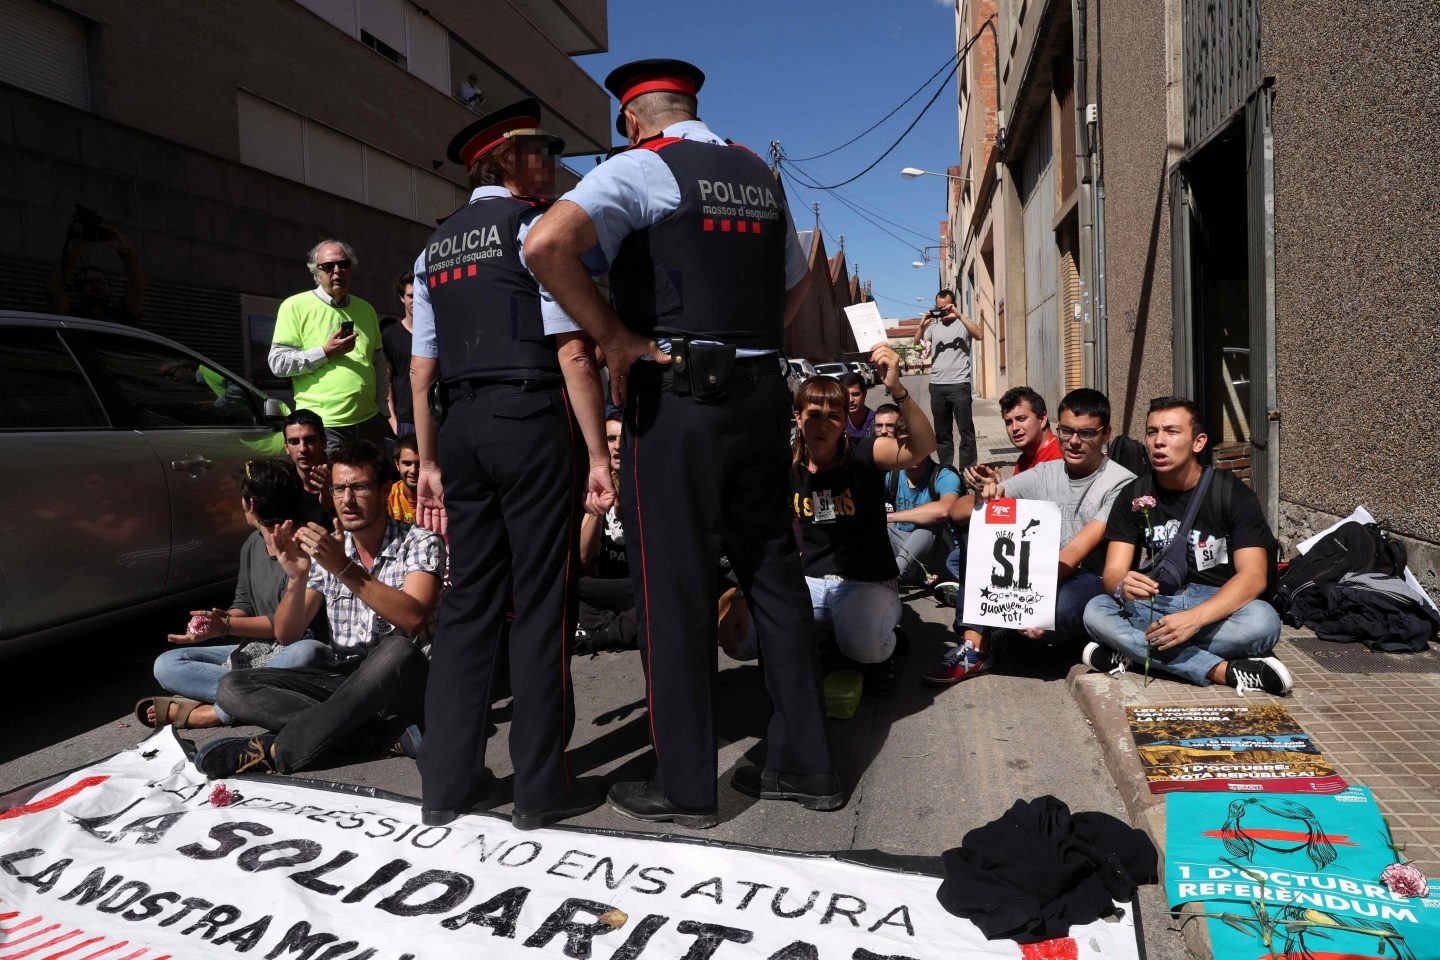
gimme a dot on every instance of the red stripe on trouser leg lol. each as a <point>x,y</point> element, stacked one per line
<point>644,589</point>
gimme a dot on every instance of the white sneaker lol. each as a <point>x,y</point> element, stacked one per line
<point>1103,659</point>
<point>1266,674</point>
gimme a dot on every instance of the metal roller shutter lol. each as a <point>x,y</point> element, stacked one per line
<point>42,49</point>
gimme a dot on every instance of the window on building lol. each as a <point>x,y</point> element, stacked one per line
<point>43,50</point>
<point>382,48</point>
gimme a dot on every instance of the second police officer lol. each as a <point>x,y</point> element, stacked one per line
<point>703,260</point>
<point>518,395</point>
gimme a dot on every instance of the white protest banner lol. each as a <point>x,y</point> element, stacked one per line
<point>867,325</point>
<point>1012,567</point>
<point>136,858</point>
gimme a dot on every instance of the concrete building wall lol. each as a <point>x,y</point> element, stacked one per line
<point>1136,152</point>
<point>1356,302</point>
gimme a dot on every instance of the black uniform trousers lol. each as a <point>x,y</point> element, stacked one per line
<point>510,460</point>
<point>695,479</point>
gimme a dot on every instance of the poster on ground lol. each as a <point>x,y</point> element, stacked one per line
<point>1253,748</point>
<point>1293,876</point>
<point>1012,567</point>
<point>137,858</point>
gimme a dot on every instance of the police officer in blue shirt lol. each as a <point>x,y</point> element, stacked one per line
<point>512,385</point>
<point>705,270</point>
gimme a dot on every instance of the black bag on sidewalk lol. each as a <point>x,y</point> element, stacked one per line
<point>1351,547</point>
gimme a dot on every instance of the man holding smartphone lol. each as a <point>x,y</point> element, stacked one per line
<point>328,342</point>
<point>949,334</point>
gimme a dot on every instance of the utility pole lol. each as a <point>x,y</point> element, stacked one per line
<point>816,207</point>
<point>842,243</point>
<point>775,154</point>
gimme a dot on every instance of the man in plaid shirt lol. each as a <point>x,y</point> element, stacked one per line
<point>379,581</point>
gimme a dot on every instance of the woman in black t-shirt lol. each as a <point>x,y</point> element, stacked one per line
<point>838,496</point>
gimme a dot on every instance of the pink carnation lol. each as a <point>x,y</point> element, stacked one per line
<point>1405,880</point>
<point>221,796</point>
<point>1142,503</point>
<point>199,624</point>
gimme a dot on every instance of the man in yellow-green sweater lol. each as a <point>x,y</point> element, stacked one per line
<point>328,342</point>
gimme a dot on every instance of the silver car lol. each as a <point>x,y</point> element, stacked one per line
<point>120,458</point>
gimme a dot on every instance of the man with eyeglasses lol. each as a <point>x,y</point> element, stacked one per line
<point>1084,483</point>
<point>379,582</point>
<point>328,342</point>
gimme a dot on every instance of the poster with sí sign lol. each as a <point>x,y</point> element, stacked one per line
<point>1012,568</point>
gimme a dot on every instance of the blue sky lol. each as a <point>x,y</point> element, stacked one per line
<point>813,75</point>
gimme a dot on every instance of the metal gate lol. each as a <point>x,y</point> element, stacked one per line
<point>1043,344</point>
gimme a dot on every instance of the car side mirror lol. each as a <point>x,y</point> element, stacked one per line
<point>275,412</point>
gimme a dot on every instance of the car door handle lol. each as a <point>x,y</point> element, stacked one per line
<point>196,462</point>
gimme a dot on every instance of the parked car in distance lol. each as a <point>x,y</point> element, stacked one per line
<point>832,369</point>
<point>865,370</point>
<point>797,371</point>
<point>120,458</point>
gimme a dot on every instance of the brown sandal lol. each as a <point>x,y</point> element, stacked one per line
<point>183,708</point>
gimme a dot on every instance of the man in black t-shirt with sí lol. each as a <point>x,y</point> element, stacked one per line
<point>1215,628</point>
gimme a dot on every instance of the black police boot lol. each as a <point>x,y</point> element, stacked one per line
<point>813,791</point>
<point>474,800</point>
<point>644,800</point>
<point>583,795</point>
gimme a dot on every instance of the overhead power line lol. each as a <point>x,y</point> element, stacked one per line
<point>918,91</point>
<point>959,59</point>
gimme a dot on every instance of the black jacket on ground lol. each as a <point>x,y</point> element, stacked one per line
<point>1038,870</point>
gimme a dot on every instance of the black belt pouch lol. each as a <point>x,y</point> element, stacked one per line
<point>711,365</point>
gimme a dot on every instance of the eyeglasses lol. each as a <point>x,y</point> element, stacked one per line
<point>359,489</point>
<point>334,265</point>
<point>885,429</point>
<point>1089,435</point>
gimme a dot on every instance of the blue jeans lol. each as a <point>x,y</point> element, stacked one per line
<point>195,672</point>
<point>1251,631</point>
<point>863,615</point>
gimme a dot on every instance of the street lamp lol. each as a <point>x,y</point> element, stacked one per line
<point>910,173</point>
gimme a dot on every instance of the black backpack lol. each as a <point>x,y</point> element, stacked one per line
<point>1352,547</point>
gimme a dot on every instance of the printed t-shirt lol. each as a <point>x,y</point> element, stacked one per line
<point>945,479</point>
<point>1080,501</point>
<point>1215,536</point>
<point>842,518</point>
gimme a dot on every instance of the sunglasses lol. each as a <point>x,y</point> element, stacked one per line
<point>334,265</point>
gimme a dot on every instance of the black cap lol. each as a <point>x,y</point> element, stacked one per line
<point>493,129</point>
<point>637,77</point>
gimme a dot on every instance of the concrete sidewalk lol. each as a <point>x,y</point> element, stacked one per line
<point>1372,715</point>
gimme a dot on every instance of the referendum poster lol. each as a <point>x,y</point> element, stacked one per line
<point>1257,748</point>
<point>137,858</point>
<point>1013,564</point>
<point>1293,876</point>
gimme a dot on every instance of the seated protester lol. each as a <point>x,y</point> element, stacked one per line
<point>607,597</point>
<point>1214,628</point>
<point>270,494</point>
<point>918,501</point>
<point>379,581</point>
<point>1028,425</point>
<point>305,446</point>
<point>838,491</point>
<point>1084,484</point>
<point>887,420</point>
<point>401,502</point>
<point>859,419</point>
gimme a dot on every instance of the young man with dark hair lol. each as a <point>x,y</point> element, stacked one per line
<point>379,583</point>
<point>401,502</point>
<point>1214,627</point>
<point>948,334</point>
<point>859,419</point>
<point>395,340</point>
<point>888,422</point>
<point>305,446</point>
<point>1084,484</point>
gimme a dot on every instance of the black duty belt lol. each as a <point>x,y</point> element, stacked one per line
<point>745,368</point>
<point>459,388</point>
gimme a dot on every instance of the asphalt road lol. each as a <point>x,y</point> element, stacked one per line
<point>923,765</point>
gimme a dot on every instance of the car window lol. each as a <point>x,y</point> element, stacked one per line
<point>167,389</point>
<point>41,385</point>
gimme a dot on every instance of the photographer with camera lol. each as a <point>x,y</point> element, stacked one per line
<point>948,335</point>
<point>92,298</point>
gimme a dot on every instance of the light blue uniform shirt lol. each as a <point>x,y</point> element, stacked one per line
<point>424,343</point>
<point>635,189</point>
